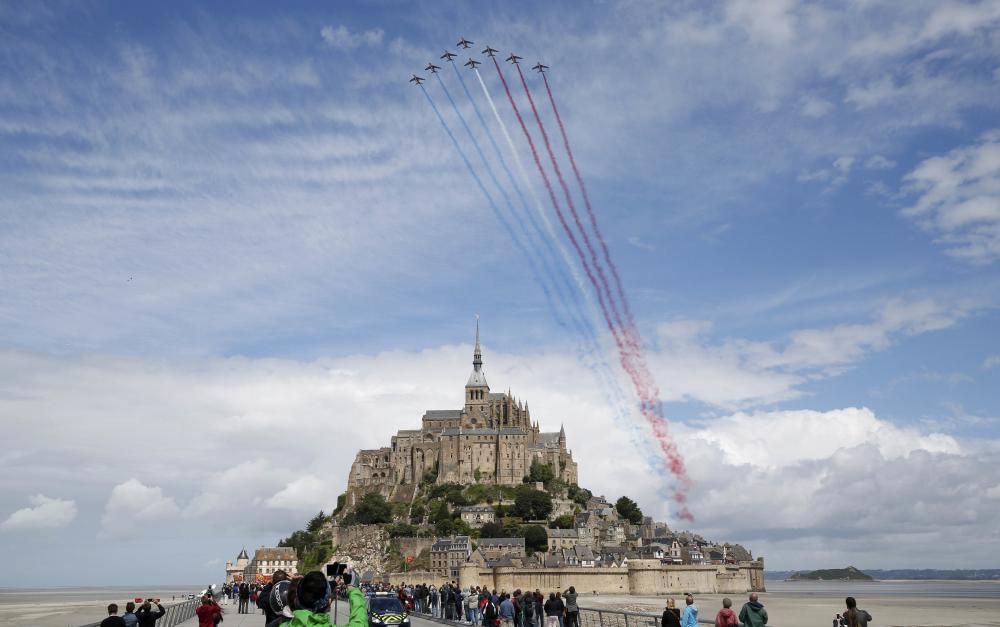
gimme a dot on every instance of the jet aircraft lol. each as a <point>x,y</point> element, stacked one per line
<point>540,68</point>
<point>432,68</point>
<point>513,58</point>
<point>472,63</point>
<point>490,51</point>
<point>448,56</point>
<point>416,79</point>
<point>465,43</point>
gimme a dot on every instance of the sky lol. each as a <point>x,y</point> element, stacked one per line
<point>236,246</point>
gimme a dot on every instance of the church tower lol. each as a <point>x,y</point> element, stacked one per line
<point>477,391</point>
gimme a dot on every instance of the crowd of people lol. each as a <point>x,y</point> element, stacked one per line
<point>483,607</point>
<point>305,601</point>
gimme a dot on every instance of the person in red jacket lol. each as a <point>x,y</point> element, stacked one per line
<point>726,616</point>
<point>209,613</point>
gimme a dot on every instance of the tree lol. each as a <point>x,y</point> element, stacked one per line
<point>402,530</point>
<point>532,504</point>
<point>565,521</point>
<point>579,495</point>
<point>629,510</point>
<point>491,530</point>
<point>372,510</point>
<point>438,512</point>
<point>417,514</point>
<point>535,538</point>
<point>540,472</point>
<point>316,522</point>
<point>341,502</point>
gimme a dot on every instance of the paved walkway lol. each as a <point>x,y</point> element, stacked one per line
<point>256,618</point>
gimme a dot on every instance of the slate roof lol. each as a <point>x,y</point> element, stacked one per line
<point>275,553</point>
<point>442,414</point>
<point>491,542</point>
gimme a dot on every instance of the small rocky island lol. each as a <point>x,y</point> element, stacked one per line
<point>832,574</point>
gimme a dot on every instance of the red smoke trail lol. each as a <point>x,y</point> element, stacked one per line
<point>559,213</point>
<point>572,208</point>
<point>632,361</point>
<point>590,209</point>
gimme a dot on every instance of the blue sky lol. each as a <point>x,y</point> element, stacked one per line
<point>235,246</point>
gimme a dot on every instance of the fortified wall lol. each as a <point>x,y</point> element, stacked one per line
<point>640,577</point>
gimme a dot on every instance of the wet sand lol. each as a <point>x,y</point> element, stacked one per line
<point>893,604</point>
<point>72,607</point>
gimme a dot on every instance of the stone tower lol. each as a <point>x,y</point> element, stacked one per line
<point>477,391</point>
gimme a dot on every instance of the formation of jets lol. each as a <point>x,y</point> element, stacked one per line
<point>472,63</point>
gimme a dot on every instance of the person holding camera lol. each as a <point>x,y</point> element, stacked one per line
<point>264,596</point>
<point>314,596</point>
<point>145,615</point>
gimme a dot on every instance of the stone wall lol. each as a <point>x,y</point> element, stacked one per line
<point>641,577</point>
<point>366,547</point>
<point>413,546</point>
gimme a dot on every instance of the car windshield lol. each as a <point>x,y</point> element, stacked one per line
<point>386,605</point>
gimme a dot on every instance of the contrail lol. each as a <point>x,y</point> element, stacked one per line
<point>489,198</point>
<point>590,210</point>
<point>555,205</point>
<point>550,273</point>
<point>632,359</point>
<point>617,398</point>
<point>576,216</point>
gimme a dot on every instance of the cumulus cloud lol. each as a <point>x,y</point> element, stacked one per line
<point>341,37</point>
<point>991,361</point>
<point>878,162</point>
<point>44,513</point>
<point>133,505</point>
<point>958,198</point>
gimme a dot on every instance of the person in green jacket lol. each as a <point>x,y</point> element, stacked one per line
<point>313,599</point>
<point>753,613</point>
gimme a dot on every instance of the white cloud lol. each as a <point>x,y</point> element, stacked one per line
<point>305,494</point>
<point>814,107</point>
<point>991,361</point>
<point>44,513</point>
<point>958,198</point>
<point>878,162</point>
<point>134,505</point>
<point>342,38</point>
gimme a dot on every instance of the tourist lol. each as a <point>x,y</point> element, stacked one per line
<point>551,608</point>
<point>244,593</point>
<point>457,600</point>
<point>491,613</point>
<point>726,616</point>
<point>507,611</point>
<point>280,604</point>
<point>471,605</point>
<point>528,609</point>
<point>836,621</point>
<point>689,617</point>
<point>313,597</point>
<point>753,613</point>
<point>129,615</point>
<point>854,617</point>
<point>113,619</point>
<point>435,611</point>
<point>209,613</point>
<point>264,596</point>
<point>572,609</point>
<point>671,616</point>
<point>146,617</point>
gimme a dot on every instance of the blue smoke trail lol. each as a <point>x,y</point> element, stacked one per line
<point>496,211</point>
<point>590,349</point>
<point>525,250</point>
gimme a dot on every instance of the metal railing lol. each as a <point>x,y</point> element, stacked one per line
<point>176,614</point>
<point>590,617</point>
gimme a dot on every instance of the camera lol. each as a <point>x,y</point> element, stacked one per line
<point>338,569</point>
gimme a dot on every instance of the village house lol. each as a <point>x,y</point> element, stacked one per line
<point>477,515</point>
<point>448,554</point>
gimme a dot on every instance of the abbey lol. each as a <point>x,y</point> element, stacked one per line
<point>492,439</point>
